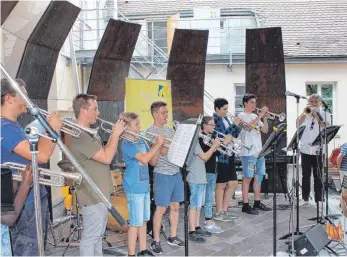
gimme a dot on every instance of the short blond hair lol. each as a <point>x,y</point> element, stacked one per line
<point>127,117</point>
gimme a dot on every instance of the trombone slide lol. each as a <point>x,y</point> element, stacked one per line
<point>47,177</point>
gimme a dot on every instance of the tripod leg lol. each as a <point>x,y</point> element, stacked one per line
<point>71,235</point>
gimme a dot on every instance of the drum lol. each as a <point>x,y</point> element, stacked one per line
<point>117,178</point>
<point>120,202</point>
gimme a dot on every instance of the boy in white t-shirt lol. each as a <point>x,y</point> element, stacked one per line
<point>251,166</point>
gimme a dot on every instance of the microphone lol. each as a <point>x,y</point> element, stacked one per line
<point>288,93</point>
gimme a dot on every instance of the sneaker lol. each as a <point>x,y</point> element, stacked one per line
<point>302,202</point>
<point>249,210</point>
<point>222,216</point>
<point>203,232</point>
<point>175,241</point>
<point>231,214</point>
<point>195,237</point>
<point>262,207</point>
<point>145,253</point>
<point>214,229</point>
<point>156,247</point>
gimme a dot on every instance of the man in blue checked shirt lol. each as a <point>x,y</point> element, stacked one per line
<point>226,183</point>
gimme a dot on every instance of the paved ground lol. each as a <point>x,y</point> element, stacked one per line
<point>246,236</point>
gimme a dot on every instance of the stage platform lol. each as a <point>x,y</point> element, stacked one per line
<point>249,235</point>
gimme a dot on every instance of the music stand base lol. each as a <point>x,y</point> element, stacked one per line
<point>286,236</point>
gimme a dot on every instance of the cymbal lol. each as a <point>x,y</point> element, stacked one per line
<point>66,166</point>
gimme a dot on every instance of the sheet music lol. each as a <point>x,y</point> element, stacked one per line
<point>181,142</point>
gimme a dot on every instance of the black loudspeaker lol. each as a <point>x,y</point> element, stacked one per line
<point>7,196</point>
<point>281,179</point>
<point>312,242</point>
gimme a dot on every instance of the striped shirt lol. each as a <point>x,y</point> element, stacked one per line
<point>344,159</point>
<point>163,165</point>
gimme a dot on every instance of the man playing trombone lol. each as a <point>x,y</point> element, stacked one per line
<point>314,119</point>
<point>251,166</point>
<point>95,159</point>
<point>15,147</point>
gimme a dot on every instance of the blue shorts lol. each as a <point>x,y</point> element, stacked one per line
<point>139,208</point>
<point>197,193</point>
<point>252,166</point>
<point>168,189</point>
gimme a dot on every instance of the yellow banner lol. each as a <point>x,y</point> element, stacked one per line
<point>140,94</point>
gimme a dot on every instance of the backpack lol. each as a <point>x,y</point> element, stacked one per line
<point>334,154</point>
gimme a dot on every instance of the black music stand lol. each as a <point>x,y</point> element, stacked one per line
<point>7,195</point>
<point>270,146</point>
<point>294,146</point>
<point>324,137</point>
<point>180,154</point>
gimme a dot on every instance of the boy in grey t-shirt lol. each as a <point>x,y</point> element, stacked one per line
<point>197,183</point>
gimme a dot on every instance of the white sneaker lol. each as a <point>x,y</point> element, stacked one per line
<point>302,202</point>
<point>214,229</point>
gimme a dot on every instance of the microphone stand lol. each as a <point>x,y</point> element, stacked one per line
<point>295,183</point>
<point>33,140</point>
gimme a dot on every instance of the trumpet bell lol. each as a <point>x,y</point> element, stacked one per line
<point>282,117</point>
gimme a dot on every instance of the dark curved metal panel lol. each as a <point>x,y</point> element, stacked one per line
<point>43,46</point>
<point>265,74</point>
<point>186,70</point>
<point>6,9</point>
<point>112,60</point>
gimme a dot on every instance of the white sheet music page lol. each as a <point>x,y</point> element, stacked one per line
<point>181,142</point>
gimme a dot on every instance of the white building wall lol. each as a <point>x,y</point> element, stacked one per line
<point>220,83</point>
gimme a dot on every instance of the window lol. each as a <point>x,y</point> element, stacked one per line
<point>157,32</point>
<point>240,91</point>
<point>325,90</point>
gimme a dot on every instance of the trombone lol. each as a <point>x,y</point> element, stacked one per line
<point>272,116</point>
<point>70,127</point>
<point>236,143</point>
<point>149,137</point>
<point>47,177</point>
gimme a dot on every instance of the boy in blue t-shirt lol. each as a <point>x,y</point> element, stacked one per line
<point>137,155</point>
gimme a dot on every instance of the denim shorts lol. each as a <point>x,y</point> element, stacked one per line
<point>197,194</point>
<point>252,166</point>
<point>168,189</point>
<point>139,208</point>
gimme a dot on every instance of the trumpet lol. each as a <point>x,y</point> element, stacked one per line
<point>47,177</point>
<point>208,141</point>
<point>272,116</point>
<point>309,110</point>
<point>149,137</point>
<point>70,127</point>
<point>244,125</point>
<point>235,142</point>
<point>233,147</point>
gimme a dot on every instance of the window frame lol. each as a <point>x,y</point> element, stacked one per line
<point>319,91</point>
<point>236,96</point>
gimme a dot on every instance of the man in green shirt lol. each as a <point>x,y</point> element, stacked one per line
<point>95,159</point>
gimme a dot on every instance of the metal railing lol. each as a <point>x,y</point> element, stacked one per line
<point>226,37</point>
